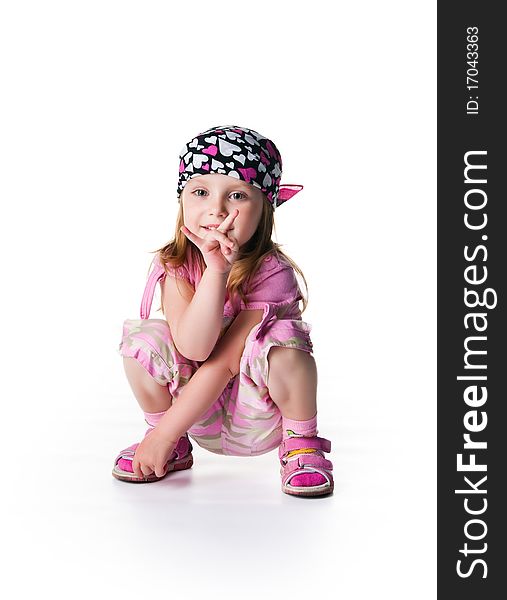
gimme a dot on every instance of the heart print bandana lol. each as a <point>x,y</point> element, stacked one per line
<point>237,152</point>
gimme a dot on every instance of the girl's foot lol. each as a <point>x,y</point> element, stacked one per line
<point>304,470</point>
<point>181,459</point>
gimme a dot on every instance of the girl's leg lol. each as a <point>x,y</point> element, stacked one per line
<point>154,399</point>
<point>151,396</point>
<point>292,382</point>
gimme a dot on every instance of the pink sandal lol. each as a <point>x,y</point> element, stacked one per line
<point>301,464</point>
<point>181,459</point>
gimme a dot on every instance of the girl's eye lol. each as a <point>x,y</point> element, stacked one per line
<point>232,194</point>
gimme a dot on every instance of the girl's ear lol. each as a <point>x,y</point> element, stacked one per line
<point>286,191</point>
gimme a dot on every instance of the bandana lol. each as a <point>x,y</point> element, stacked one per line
<point>237,152</point>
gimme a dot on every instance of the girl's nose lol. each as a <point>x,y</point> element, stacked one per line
<point>217,205</point>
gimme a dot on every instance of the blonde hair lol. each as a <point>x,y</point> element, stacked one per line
<point>248,262</point>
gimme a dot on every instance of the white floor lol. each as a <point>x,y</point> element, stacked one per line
<point>222,528</point>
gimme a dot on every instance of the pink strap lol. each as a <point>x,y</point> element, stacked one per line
<point>296,443</point>
<point>268,318</point>
<point>308,460</point>
<point>183,447</point>
<point>307,463</point>
<point>128,453</point>
<point>156,274</point>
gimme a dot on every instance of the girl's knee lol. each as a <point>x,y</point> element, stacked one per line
<point>285,362</point>
<point>144,374</point>
<point>283,356</point>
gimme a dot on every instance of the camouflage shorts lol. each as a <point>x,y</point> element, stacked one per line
<point>243,421</point>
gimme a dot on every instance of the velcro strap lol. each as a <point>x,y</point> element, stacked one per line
<point>183,447</point>
<point>302,465</point>
<point>128,453</point>
<point>297,443</point>
<point>308,460</point>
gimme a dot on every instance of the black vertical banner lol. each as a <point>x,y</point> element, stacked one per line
<point>472,331</point>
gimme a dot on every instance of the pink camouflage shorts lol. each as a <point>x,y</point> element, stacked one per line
<point>244,420</point>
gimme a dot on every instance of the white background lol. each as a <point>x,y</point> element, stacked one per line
<point>98,99</point>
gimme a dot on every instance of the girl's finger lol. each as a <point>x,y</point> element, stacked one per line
<point>136,468</point>
<point>159,471</point>
<point>221,237</point>
<point>193,238</point>
<point>228,221</point>
<point>229,249</point>
<point>146,470</point>
<point>234,243</point>
<point>234,248</point>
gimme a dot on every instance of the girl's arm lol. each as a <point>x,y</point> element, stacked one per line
<point>202,390</point>
<point>200,324</point>
<point>210,379</point>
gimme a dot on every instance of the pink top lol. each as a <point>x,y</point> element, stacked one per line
<point>274,289</point>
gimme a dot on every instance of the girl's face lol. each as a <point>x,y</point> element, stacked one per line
<point>209,199</point>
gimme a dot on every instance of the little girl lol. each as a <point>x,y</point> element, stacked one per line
<point>231,364</point>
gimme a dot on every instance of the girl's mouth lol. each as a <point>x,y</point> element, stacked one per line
<point>209,228</point>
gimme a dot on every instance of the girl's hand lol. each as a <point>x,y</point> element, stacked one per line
<point>219,248</point>
<point>152,455</point>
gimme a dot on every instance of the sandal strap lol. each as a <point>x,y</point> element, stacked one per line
<point>297,443</point>
<point>308,460</point>
<point>183,447</point>
<point>307,463</point>
<point>127,453</point>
